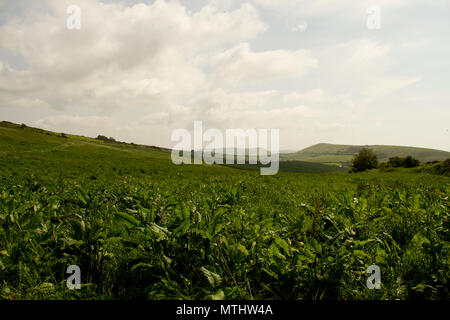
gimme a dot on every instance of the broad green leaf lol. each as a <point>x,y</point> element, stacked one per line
<point>219,295</point>
<point>242,249</point>
<point>182,228</point>
<point>283,245</point>
<point>82,195</point>
<point>127,219</point>
<point>141,265</point>
<point>213,278</point>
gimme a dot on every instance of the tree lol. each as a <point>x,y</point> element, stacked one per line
<point>365,159</point>
<point>410,162</point>
<point>106,139</point>
<point>407,162</point>
<point>395,162</point>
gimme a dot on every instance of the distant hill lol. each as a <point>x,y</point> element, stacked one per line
<point>342,154</point>
<point>25,142</point>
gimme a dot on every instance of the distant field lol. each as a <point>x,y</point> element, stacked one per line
<point>343,154</point>
<point>140,227</point>
<point>295,166</point>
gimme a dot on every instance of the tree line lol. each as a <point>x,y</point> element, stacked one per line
<point>366,159</point>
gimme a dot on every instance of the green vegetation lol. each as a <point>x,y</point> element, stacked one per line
<point>106,139</point>
<point>434,167</point>
<point>343,154</point>
<point>295,166</point>
<point>366,159</point>
<point>140,227</point>
<point>442,168</point>
<point>397,162</point>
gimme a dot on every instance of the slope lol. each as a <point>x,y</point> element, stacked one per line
<point>25,149</point>
<point>342,154</point>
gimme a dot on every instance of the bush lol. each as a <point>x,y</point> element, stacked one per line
<point>365,159</point>
<point>410,162</point>
<point>443,168</point>
<point>106,139</point>
<point>394,162</point>
<point>407,162</point>
<point>435,167</point>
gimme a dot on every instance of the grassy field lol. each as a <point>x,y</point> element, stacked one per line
<point>140,227</point>
<point>343,154</point>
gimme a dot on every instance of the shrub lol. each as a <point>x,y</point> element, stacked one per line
<point>106,139</point>
<point>365,159</point>
<point>394,162</point>
<point>407,162</point>
<point>443,167</point>
<point>410,162</point>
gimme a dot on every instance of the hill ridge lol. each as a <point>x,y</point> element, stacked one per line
<point>17,140</point>
<point>369,146</point>
<point>341,154</point>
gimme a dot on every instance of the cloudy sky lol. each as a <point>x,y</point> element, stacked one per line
<point>137,70</point>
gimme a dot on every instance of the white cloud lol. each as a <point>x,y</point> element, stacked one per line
<point>362,67</point>
<point>301,27</point>
<point>138,72</point>
<point>123,56</point>
<point>320,7</point>
<point>240,65</point>
<point>277,4</point>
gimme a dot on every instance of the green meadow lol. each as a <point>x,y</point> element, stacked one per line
<point>140,227</point>
<point>343,154</point>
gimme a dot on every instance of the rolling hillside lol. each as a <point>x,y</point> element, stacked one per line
<point>34,147</point>
<point>140,228</point>
<point>342,154</point>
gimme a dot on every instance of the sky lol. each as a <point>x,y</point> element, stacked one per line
<point>138,70</point>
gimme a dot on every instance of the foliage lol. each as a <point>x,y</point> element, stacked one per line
<point>106,139</point>
<point>441,168</point>
<point>140,227</point>
<point>406,162</point>
<point>365,159</point>
<point>343,154</point>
